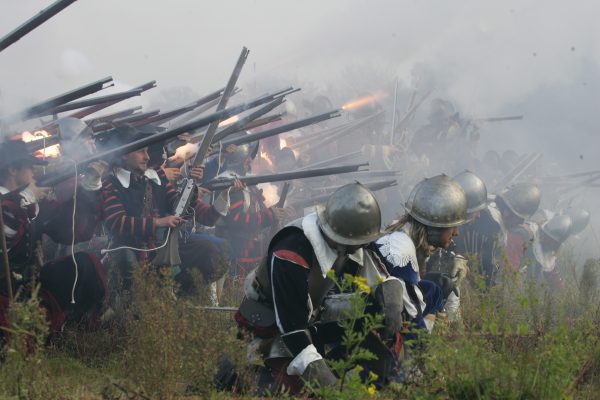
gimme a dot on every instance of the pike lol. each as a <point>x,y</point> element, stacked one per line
<point>45,107</point>
<point>280,129</point>
<point>169,255</point>
<point>262,121</point>
<point>51,180</point>
<point>34,22</point>
<point>225,183</point>
<point>374,187</point>
<point>371,185</point>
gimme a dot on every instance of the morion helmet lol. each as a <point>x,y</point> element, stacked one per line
<point>351,216</point>
<point>438,202</point>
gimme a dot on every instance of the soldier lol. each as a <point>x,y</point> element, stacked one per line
<point>248,219</point>
<point>435,209</point>
<point>138,206</point>
<point>290,298</point>
<point>499,230</point>
<point>542,254</point>
<point>452,261</point>
<point>73,286</point>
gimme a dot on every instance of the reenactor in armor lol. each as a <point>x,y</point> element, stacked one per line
<point>453,261</point>
<point>499,235</point>
<point>71,287</point>
<point>292,306</point>
<point>435,209</point>
<point>541,256</point>
<point>249,219</point>
<point>580,219</point>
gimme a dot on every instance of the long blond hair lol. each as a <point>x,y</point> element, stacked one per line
<point>417,232</point>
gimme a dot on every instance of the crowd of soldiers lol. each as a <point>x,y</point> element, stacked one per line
<point>118,214</point>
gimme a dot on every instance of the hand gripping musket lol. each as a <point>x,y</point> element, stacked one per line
<point>169,255</point>
<point>280,204</point>
<point>45,107</point>
<point>34,22</point>
<point>225,183</point>
<point>51,180</point>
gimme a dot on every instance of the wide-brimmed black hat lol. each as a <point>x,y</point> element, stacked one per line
<point>16,152</point>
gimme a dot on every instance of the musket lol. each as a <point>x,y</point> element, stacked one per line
<point>344,157</point>
<point>322,141</point>
<point>498,119</point>
<point>169,255</point>
<point>169,115</point>
<point>115,115</point>
<point>242,122</point>
<point>225,183</point>
<point>93,109</point>
<point>373,186</point>
<point>116,97</point>
<point>262,121</point>
<point>34,22</point>
<point>51,180</point>
<point>126,120</point>
<point>45,107</point>
<point>280,129</point>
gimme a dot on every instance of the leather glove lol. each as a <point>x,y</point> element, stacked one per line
<point>388,294</point>
<point>318,371</point>
<point>444,282</point>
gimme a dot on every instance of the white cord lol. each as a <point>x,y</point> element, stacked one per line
<point>104,251</point>
<point>73,233</point>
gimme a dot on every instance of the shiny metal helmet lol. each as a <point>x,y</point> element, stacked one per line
<point>580,219</point>
<point>241,152</point>
<point>523,199</point>
<point>438,202</point>
<point>558,228</point>
<point>351,216</point>
<point>475,189</point>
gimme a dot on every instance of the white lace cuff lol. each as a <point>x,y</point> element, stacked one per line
<point>222,203</point>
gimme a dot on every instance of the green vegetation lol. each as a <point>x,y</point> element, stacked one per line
<point>519,340</point>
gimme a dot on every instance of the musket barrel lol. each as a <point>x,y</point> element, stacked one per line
<point>220,184</point>
<point>156,138</point>
<point>45,107</point>
<point>34,22</point>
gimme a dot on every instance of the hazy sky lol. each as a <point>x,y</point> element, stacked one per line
<point>537,58</point>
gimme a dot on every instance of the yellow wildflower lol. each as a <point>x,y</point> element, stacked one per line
<point>371,390</point>
<point>373,376</point>
<point>361,283</point>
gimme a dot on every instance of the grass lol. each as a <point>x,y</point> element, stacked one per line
<point>516,341</point>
